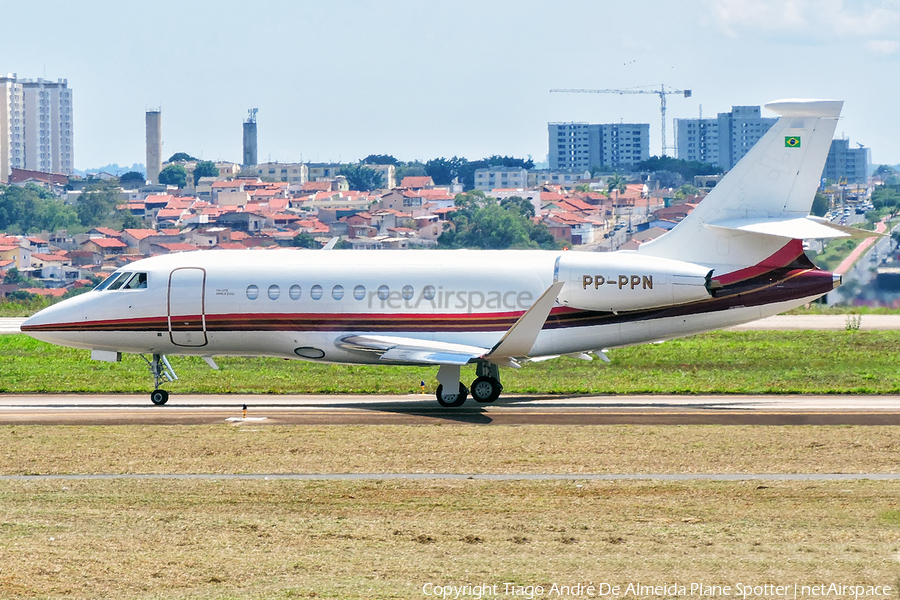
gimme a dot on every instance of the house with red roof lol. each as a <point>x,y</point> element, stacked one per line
<point>137,240</point>
<point>169,248</point>
<point>104,246</point>
<point>417,182</point>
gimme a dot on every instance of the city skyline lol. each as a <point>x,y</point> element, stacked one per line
<point>336,82</point>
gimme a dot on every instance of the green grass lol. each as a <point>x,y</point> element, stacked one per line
<point>835,252</point>
<point>812,362</point>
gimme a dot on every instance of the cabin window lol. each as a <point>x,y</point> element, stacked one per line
<point>407,292</point>
<point>315,292</point>
<point>294,292</point>
<point>274,291</point>
<point>337,292</point>
<point>252,292</point>
<point>119,281</point>
<point>359,292</point>
<point>383,292</point>
<point>428,292</point>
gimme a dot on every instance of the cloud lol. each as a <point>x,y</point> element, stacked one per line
<point>812,20</point>
<point>885,47</point>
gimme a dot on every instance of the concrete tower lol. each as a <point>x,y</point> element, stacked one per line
<point>250,156</point>
<point>154,145</point>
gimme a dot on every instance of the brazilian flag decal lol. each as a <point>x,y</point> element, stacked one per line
<point>792,141</point>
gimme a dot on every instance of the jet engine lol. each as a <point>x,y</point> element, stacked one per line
<point>625,281</point>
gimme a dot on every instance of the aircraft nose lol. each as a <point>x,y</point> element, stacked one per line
<point>53,323</point>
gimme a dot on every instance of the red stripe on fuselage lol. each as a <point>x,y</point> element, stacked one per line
<point>780,259</point>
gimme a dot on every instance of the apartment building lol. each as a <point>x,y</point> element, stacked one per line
<point>724,140</point>
<point>291,172</point>
<point>500,177</point>
<point>35,126</point>
<point>846,163</point>
<point>580,146</point>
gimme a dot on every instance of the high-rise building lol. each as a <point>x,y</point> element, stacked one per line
<point>846,163</point>
<point>153,121</point>
<point>35,126</point>
<point>724,140</point>
<point>584,146</point>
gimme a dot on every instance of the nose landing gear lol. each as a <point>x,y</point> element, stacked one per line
<point>159,369</point>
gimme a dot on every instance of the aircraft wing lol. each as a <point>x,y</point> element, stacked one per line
<point>411,350</point>
<point>517,342</point>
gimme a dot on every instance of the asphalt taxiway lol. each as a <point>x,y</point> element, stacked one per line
<point>416,409</point>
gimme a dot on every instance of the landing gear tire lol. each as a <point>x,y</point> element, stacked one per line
<point>452,400</point>
<point>486,389</point>
<point>159,397</point>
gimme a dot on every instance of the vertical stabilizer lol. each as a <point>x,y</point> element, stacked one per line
<point>775,181</point>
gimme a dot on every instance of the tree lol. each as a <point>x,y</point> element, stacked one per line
<point>481,222</point>
<point>444,170</point>
<point>204,168</point>
<point>525,207</point>
<point>132,178</point>
<point>181,157</point>
<point>820,204</point>
<point>31,208</point>
<point>129,221</point>
<point>618,183</point>
<point>173,175</point>
<point>95,204</point>
<point>380,159</point>
<point>305,240</point>
<point>584,188</point>
<point>685,191</point>
<point>686,168</point>
<point>362,178</point>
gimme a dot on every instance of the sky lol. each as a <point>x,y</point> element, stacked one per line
<point>337,80</point>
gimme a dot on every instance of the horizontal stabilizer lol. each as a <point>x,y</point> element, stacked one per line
<point>800,228</point>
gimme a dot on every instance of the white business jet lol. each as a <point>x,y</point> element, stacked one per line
<point>736,258</point>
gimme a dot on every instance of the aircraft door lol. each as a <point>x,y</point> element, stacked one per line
<point>187,318</point>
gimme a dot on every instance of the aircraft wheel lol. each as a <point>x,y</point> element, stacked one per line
<point>452,400</point>
<point>486,389</point>
<point>159,397</point>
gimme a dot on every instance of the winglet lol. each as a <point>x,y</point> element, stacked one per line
<point>520,338</point>
<point>331,243</point>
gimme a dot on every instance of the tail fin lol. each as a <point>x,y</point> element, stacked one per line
<point>764,201</point>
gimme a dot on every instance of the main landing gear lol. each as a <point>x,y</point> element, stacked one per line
<point>159,369</point>
<point>485,389</point>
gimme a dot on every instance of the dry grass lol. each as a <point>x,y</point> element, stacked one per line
<point>386,539</point>
<point>280,539</point>
<point>448,449</point>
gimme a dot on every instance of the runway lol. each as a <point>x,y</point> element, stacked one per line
<point>74,409</point>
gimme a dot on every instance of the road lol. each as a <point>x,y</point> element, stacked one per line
<point>88,409</point>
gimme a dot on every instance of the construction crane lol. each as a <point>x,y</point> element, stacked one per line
<point>661,92</point>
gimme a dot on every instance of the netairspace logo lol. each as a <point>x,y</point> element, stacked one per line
<point>641,590</point>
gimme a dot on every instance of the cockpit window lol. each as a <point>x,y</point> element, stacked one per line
<point>105,283</point>
<point>137,282</point>
<point>121,279</point>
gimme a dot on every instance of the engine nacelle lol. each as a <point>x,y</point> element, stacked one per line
<point>622,281</point>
